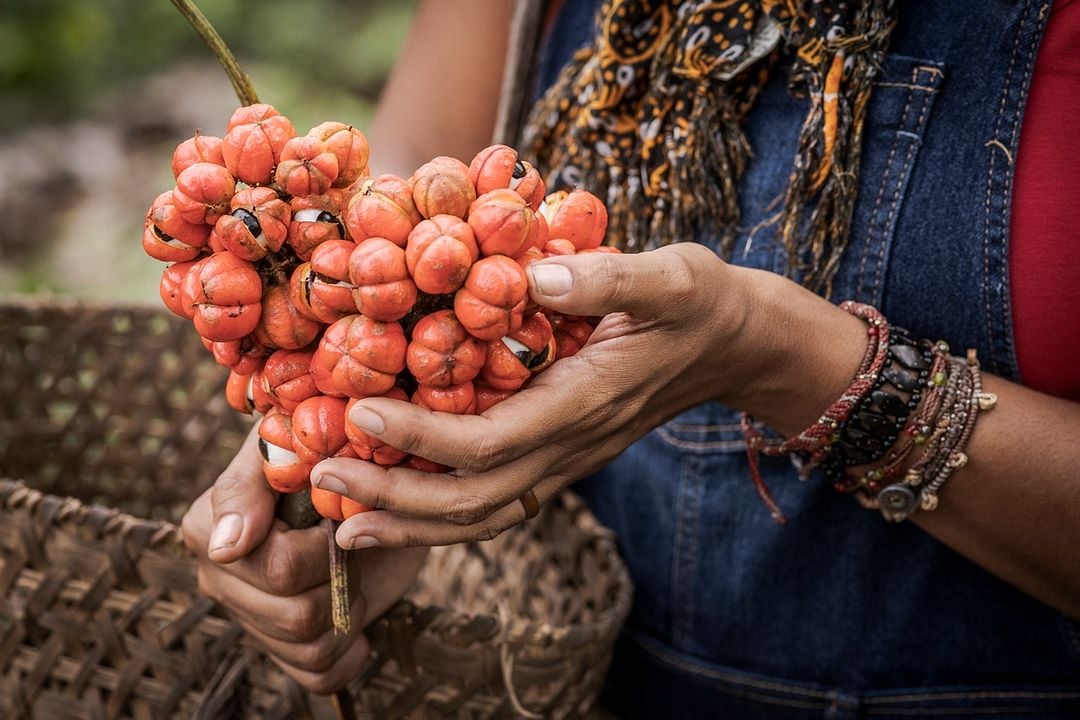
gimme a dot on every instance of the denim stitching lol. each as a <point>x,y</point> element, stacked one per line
<point>871,230</point>
<point>909,86</point>
<point>700,445</point>
<point>987,315</point>
<point>904,173</point>
<point>988,286</point>
<point>695,427</point>
<point>1008,349</point>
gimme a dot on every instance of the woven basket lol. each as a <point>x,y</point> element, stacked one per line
<point>116,417</point>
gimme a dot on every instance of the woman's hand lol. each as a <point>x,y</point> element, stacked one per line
<point>275,581</point>
<point>682,327</point>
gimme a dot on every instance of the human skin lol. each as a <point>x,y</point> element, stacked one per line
<point>273,580</point>
<point>683,327</point>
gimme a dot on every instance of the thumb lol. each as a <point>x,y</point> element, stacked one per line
<point>644,284</point>
<point>243,505</point>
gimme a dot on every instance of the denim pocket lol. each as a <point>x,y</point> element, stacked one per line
<point>899,111</point>
<point>705,429</point>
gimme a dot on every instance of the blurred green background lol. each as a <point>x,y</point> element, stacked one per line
<point>95,95</point>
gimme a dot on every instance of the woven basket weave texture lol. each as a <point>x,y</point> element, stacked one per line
<point>115,418</point>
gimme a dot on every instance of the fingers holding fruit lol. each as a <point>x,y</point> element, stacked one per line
<point>469,509</point>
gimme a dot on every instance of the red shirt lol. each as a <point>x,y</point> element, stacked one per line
<point>1044,248</point>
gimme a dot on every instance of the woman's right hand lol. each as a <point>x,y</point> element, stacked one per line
<point>274,581</point>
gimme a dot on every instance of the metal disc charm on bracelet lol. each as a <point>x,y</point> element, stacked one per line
<point>897,501</point>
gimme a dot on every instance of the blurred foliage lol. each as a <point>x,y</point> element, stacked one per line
<point>59,57</point>
<point>95,94</point>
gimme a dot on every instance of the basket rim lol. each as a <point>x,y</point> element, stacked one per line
<point>17,494</point>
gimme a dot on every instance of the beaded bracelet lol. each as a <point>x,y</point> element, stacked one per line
<point>882,414</point>
<point>814,442</point>
<point>943,398</point>
<point>943,452</point>
<point>928,361</point>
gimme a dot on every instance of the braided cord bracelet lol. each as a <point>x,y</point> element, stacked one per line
<point>816,440</point>
<point>935,405</point>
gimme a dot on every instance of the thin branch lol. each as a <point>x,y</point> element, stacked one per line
<point>240,81</point>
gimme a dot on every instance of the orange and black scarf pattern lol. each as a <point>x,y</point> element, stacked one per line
<point>649,118</point>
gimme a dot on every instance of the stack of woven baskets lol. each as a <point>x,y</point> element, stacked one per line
<point>115,419</point>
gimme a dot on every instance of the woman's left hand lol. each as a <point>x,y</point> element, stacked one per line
<point>681,327</point>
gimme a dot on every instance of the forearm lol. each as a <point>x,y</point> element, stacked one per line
<point>442,95</point>
<point>1014,508</point>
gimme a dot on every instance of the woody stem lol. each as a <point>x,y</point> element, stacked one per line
<point>240,81</point>
<point>339,582</point>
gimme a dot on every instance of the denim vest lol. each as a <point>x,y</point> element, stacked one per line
<point>839,614</point>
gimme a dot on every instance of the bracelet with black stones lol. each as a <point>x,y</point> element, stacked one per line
<point>877,421</point>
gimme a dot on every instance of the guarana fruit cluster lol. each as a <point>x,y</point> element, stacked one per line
<point>318,285</point>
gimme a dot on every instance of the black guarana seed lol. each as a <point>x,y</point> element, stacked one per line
<point>308,281</point>
<point>263,450</point>
<point>161,234</point>
<point>328,217</point>
<point>250,221</point>
<point>539,358</point>
<point>519,170</point>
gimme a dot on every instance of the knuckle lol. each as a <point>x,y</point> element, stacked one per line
<point>470,510</point>
<point>489,531</point>
<point>412,438</point>
<point>409,538</point>
<point>611,274</point>
<point>487,452</point>
<point>281,575</point>
<point>382,499</point>
<point>316,657</point>
<point>681,277</point>
<point>302,620</point>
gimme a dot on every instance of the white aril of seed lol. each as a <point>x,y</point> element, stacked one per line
<point>516,347</point>
<point>307,215</point>
<point>279,456</point>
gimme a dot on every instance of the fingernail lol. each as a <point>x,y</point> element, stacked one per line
<point>359,542</point>
<point>367,420</point>
<point>226,531</point>
<point>330,484</point>
<point>551,280</point>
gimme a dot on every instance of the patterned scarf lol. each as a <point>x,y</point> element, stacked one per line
<point>649,118</point>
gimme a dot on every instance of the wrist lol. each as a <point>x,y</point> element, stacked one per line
<point>804,352</point>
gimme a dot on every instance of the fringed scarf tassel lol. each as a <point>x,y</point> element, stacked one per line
<point>649,118</point>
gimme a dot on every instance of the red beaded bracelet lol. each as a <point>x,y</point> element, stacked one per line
<point>816,440</point>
